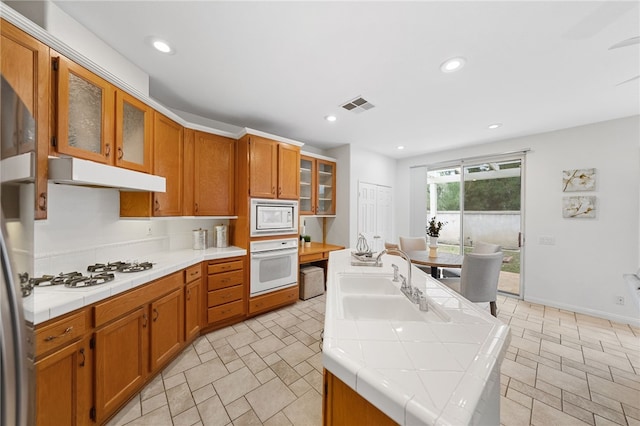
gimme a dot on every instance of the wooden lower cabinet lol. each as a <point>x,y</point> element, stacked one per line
<point>64,386</point>
<point>167,328</point>
<point>341,405</point>
<point>193,302</point>
<point>121,349</point>
<point>225,290</point>
<point>273,300</point>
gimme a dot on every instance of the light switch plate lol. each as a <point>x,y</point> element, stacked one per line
<point>547,240</point>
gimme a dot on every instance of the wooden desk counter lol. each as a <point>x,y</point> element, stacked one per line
<point>318,252</point>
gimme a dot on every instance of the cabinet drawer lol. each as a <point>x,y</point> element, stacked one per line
<point>226,295</point>
<point>216,268</point>
<point>125,303</point>
<point>305,258</point>
<point>192,273</point>
<point>60,332</point>
<point>266,302</point>
<point>226,279</point>
<point>225,311</point>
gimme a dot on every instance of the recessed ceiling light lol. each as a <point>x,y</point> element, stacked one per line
<point>453,64</point>
<point>401,147</point>
<point>331,118</point>
<point>495,125</point>
<point>160,45</point>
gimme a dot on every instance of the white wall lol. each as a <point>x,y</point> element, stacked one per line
<point>355,165</point>
<point>583,270</point>
<point>83,227</point>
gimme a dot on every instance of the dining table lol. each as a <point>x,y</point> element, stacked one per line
<point>441,260</point>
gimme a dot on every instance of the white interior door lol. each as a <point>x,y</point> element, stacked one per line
<point>374,214</point>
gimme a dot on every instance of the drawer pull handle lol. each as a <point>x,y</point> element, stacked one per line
<point>120,153</point>
<point>64,333</point>
<point>107,150</point>
<point>83,357</point>
<point>194,273</point>
<point>157,314</point>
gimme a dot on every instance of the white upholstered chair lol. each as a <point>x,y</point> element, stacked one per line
<point>413,243</point>
<point>479,279</point>
<point>388,245</point>
<point>478,247</point>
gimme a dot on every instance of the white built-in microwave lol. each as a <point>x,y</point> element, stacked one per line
<point>273,217</point>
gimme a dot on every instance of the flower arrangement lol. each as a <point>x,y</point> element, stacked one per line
<point>433,229</point>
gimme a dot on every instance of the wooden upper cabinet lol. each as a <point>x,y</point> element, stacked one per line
<point>317,186</point>
<point>288,171</point>
<point>25,69</point>
<point>263,167</point>
<point>85,112</point>
<point>168,162</point>
<point>274,169</point>
<point>214,175</point>
<point>134,120</point>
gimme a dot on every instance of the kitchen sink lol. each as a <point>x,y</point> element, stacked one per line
<point>367,284</point>
<point>379,308</point>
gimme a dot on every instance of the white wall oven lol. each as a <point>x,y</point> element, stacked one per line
<point>274,265</point>
<point>273,217</point>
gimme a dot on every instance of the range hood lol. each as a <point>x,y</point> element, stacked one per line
<point>75,171</point>
<point>19,168</point>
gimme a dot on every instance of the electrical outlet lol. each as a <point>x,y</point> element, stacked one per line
<point>547,240</point>
<point>149,230</point>
<point>619,300</point>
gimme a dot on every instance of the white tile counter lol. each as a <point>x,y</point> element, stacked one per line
<point>435,372</point>
<point>52,301</point>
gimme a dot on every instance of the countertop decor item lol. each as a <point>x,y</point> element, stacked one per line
<point>433,231</point>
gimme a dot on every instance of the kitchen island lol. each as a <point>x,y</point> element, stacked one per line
<point>441,366</point>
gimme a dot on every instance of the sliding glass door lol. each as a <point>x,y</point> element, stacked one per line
<point>481,201</point>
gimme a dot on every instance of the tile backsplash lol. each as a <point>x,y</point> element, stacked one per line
<point>83,226</point>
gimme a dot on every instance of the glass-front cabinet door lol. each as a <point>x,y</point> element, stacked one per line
<point>133,138</point>
<point>307,185</point>
<point>85,113</point>
<point>325,189</point>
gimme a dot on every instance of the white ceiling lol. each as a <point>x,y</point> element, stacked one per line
<point>281,67</point>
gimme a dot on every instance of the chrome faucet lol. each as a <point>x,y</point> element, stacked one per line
<point>406,284</point>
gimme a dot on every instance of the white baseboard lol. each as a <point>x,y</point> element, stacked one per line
<point>580,310</point>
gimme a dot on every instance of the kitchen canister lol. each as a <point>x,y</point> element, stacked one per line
<point>199,239</point>
<point>220,236</point>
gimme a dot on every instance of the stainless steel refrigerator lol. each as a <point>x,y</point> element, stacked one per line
<point>14,383</point>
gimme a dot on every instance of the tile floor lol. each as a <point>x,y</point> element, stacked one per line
<point>561,368</point>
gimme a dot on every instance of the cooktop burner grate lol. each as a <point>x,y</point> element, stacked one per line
<point>83,281</point>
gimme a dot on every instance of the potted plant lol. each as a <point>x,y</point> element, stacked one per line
<point>433,231</point>
<point>307,240</point>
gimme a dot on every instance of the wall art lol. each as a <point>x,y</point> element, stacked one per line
<point>578,180</point>
<point>577,207</point>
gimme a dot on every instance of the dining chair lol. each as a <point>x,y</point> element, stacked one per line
<point>478,247</point>
<point>479,279</point>
<point>413,244</point>
<point>388,245</point>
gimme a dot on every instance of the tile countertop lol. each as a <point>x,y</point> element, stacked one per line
<point>417,372</point>
<point>50,302</point>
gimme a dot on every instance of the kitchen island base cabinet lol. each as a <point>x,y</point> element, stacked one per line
<point>276,299</point>
<point>64,386</point>
<point>341,405</point>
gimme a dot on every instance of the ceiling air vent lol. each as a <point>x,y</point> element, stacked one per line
<point>358,105</point>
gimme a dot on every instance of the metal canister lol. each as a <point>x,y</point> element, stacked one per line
<point>220,236</point>
<point>199,239</point>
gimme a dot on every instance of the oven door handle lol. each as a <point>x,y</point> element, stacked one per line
<point>274,253</point>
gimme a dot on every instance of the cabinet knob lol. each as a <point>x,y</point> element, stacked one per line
<point>144,320</point>
<point>157,205</point>
<point>107,150</point>
<point>196,207</point>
